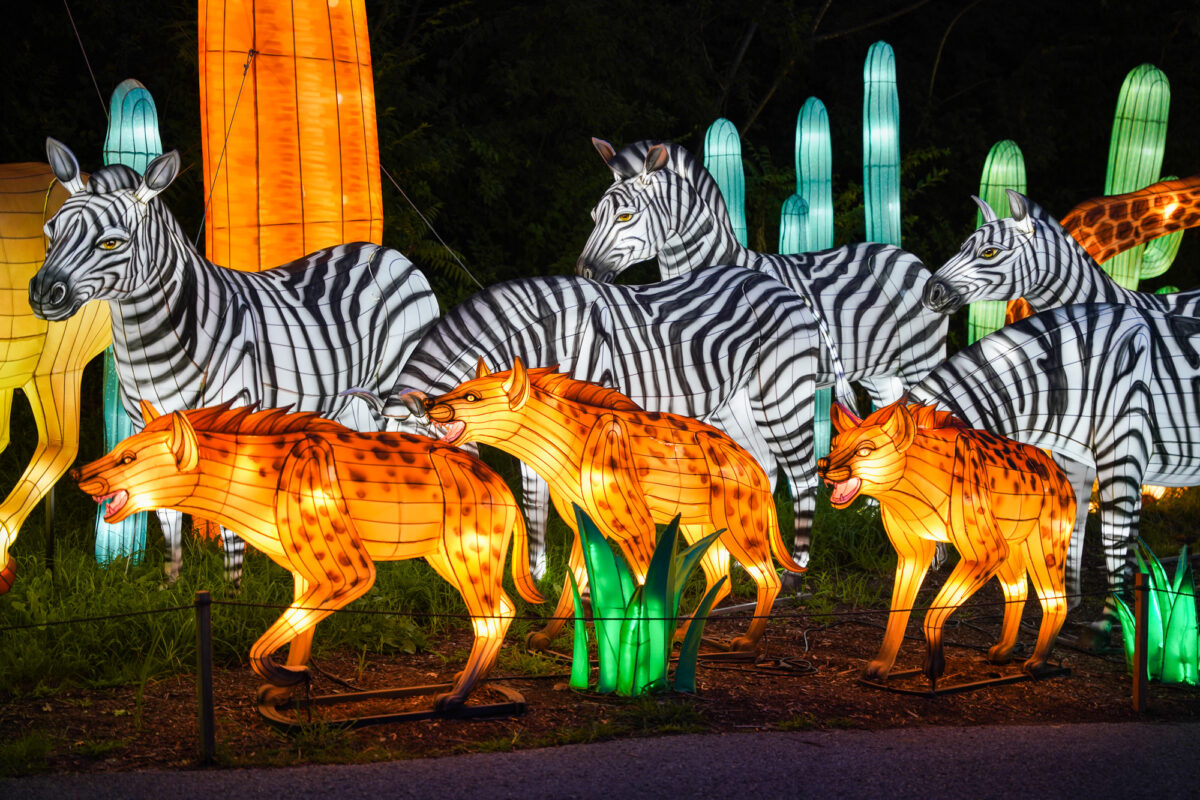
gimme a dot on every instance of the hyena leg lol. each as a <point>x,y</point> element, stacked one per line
<point>1013,583</point>
<point>715,565</point>
<point>1044,559</point>
<point>912,562</point>
<point>540,640</point>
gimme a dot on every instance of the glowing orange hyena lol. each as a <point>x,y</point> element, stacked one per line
<point>628,469</point>
<point>1005,506</point>
<point>325,502</point>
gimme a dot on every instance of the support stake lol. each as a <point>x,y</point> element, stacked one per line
<point>204,687</point>
<point>1141,630</point>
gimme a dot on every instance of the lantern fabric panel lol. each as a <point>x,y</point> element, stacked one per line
<point>293,162</point>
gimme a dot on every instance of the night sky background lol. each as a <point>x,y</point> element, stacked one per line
<point>486,108</point>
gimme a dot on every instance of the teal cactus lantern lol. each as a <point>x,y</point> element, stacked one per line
<point>1004,168</point>
<point>723,160</point>
<point>132,140</point>
<point>814,228</point>
<point>1172,643</point>
<point>881,145</point>
<point>1135,157</point>
<point>635,625</point>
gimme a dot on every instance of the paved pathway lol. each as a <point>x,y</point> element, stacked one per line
<point>1126,760</point>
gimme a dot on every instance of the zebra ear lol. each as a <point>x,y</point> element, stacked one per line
<point>159,174</point>
<point>988,214</point>
<point>517,386</point>
<point>605,150</point>
<point>481,368</point>
<point>149,413</point>
<point>656,158</point>
<point>64,165</point>
<point>183,442</point>
<point>1020,212</point>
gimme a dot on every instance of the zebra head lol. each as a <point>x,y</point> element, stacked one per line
<point>94,237</point>
<point>630,216</point>
<point>995,263</point>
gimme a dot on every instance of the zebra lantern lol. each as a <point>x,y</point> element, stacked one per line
<point>188,333</point>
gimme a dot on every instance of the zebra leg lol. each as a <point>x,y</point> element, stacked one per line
<point>1120,510</point>
<point>235,551</point>
<point>883,389</point>
<point>535,499</point>
<point>171,523</point>
<point>1081,477</point>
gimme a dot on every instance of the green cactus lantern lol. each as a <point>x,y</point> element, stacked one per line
<point>1135,157</point>
<point>1004,168</point>
<point>132,140</point>
<point>881,145</point>
<point>723,160</point>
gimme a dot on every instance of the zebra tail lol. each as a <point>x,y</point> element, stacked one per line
<point>522,577</point>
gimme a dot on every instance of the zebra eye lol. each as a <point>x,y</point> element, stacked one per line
<point>989,252</point>
<point>624,217</point>
<point>109,244</point>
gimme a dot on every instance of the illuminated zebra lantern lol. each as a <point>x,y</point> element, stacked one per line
<point>190,334</point>
<point>730,347</point>
<point>1031,255</point>
<point>664,204</point>
<point>1106,385</point>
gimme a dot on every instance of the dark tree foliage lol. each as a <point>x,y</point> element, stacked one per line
<point>486,107</point>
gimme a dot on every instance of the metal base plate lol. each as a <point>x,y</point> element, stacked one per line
<point>941,689</point>
<point>286,715</point>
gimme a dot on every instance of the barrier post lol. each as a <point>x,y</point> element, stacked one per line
<point>1141,630</point>
<point>204,688</point>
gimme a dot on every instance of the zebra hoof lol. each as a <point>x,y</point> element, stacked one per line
<point>1095,637</point>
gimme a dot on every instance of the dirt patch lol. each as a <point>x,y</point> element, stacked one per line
<point>807,676</point>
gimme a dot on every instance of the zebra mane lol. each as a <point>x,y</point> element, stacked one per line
<point>250,421</point>
<point>630,159</point>
<point>112,178</point>
<point>588,394</point>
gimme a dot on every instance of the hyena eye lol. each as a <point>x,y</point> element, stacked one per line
<point>989,252</point>
<point>864,451</point>
<point>471,397</point>
<point>624,217</point>
<point>128,458</point>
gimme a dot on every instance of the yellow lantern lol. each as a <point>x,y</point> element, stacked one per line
<point>325,503</point>
<point>627,469</point>
<point>43,359</point>
<point>287,105</point>
<point>1005,506</point>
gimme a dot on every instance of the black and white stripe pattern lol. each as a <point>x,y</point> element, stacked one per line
<point>869,295</point>
<point>1030,255</point>
<point>1110,387</point>
<point>188,333</point>
<point>732,347</point>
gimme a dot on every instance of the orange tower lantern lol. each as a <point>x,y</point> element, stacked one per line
<point>287,106</point>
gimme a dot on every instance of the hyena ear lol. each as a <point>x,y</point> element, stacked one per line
<point>481,368</point>
<point>517,386</point>
<point>64,165</point>
<point>843,419</point>
<point>183,442</point>
<point>898,423</point>
<point>149,412</point>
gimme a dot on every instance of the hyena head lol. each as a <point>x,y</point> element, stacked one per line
<point>489,408</point>
<point>153,469</point>
<point>867,455</point>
